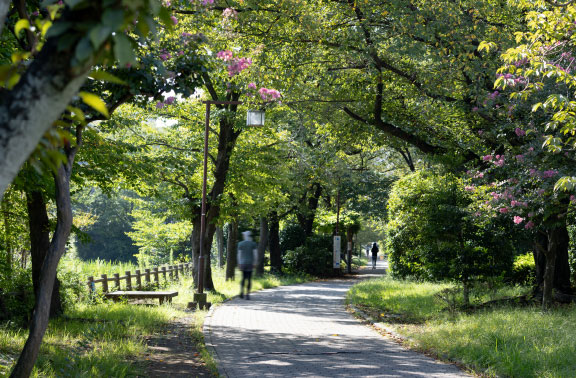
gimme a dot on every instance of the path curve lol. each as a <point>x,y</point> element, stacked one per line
<point>303,331</point>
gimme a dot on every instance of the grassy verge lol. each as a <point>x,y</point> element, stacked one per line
<point>107,339</point>
<point>503,341</point>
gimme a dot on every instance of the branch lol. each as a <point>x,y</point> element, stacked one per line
<point>210,88</point>
<point>179,183</point>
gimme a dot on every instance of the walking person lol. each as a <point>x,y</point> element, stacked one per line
<point>374,254</point>
<point>247,260</point>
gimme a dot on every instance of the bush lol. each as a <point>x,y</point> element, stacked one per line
<point>432,235</point>
<point>314,257</point>
<point>292,237</point>
<point>16,295</point>
<point>524,270</point>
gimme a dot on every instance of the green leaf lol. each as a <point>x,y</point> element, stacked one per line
<point>123,50</point>
<point>58,29</point>
<point>99,34</point>
<point>106,76</point>
<point>536,106</point>
<point>113,18</point>
<point>83,49</point>
<point>165,16</point>
<point>94,102</point>
<point>73,3</point>
<point>21,24</point>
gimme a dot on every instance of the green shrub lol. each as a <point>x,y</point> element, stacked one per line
<point>17,295</point>
<point>524,270</point>
<point>314,257</point>
<point>292,237</point>
<point>432,235</point>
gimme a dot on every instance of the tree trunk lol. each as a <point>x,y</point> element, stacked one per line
<point>4,7</point>
<point>562,280</point>
<point>227,138</point>
<point>231,249</point>
<point>275,253</point>
<point>39,228</point>
<point>220,242</point>
<point>39,98</point>
<point>7,241</point>
<point>306,217</point>
<point>349,237</point>
<point>554,243</point>
<point>40,315</point>
<point>194,245</point>
<point>262,244</point>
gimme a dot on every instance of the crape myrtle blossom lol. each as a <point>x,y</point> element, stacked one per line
<point>269,94</point>
<point>235,64</point>
<point>229,13</point>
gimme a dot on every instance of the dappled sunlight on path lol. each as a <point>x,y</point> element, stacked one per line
<point>304,330</point>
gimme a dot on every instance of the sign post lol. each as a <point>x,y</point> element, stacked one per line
<point>336,252</point>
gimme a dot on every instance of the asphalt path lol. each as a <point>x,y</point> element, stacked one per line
<point>305,331</point>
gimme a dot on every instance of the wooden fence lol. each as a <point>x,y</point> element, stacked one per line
<point>171,272</point>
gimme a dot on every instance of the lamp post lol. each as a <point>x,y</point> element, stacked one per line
<point>254,118</point>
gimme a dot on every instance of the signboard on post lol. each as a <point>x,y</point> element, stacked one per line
<point>336,252</point>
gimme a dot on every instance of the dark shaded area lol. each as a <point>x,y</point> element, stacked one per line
<point>106,239</point>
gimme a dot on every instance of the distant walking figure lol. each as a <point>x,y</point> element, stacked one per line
<point>374,254</point>
<point>247,252</point>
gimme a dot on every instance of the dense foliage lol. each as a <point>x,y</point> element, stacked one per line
<point>433,235</point>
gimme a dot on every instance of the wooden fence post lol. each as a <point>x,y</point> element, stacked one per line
<point>105,283</point>
<point>164,272</point>
<point>156,278</point>
<point>147,276</point>
<point>175,268</point>
<point>117,281</point>
<point>138,280</point>
<point>91,285</point>
<point>128,280</point>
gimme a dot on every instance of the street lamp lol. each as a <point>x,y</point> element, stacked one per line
<point>253,118</point>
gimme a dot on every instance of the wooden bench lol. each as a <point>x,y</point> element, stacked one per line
<point>161,295</point>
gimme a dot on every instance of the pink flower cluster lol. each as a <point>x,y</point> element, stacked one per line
<point>225,55</point>
<point>169,101</point>
<point>549,174</point>
<point>269,94</point>
<point>237,65</point>
<point>520,132</point>
<point>203,2</point>
<point>229,13</point>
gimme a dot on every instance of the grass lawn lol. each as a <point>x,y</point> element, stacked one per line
<point>505,341</point>
<point>107,339</point>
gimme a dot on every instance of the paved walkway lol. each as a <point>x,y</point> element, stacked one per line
<point>304,331</point>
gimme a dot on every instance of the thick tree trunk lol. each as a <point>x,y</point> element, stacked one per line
<point>275,253</point>
<point>227,138</point>
<point>220,242</point>
<point>208,283</point>
<point>57,248</point>
<point>39,228</point>
<point>39,98</point>
<point>306,217</point>
<point>562,280</point>
<point>194,245</point>
<point>231,248</point>
<point>262,244</point>
<point>4,6</point>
